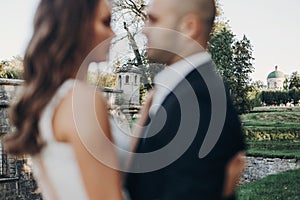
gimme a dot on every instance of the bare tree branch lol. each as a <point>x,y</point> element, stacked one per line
<point>133,45</point>
<point>136,8</point>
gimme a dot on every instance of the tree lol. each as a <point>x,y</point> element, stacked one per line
<point>129,16</point>
<point>132,14</point>
<point>280,97</point>
<point>294,81</point>
<point>255,94</point>
<point>102,79</point>
<point>234,62</point>
<point>135,8</point>
<point>12,69</point>
<point>286,84</point>
<point>255,99</point>
<point>258,85</point>
<point>294,95</point>
<point>242,67</point>
<point>220,47</point>
<point>134,46</point>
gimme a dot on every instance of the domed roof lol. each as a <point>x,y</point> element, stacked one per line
<point>276,74</point>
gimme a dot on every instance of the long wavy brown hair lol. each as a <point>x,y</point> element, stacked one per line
<point>62,37</point>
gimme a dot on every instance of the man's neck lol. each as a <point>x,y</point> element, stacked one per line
<point>178,58</point>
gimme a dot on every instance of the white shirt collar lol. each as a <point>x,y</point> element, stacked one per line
<point>166,80</point>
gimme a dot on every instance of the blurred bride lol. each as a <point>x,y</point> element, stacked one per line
<point>61,121</point>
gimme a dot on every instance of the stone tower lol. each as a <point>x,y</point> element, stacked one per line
<point>129,82</point>
<point>276,80</point>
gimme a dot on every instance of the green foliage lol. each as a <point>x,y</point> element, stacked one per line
<point>143,92</point>
<point>102,79</point>
<point>220,48</point>
<point>276,117</point>
<point>294,95</point>
<point>234,62</point>
<point>255,99</point>
<point>291,92</point>
<point>255,94</point>
<point>12,69</point>
<point>280,97</point>
<point>275,125</point>
<point>283,186</point>
<point>258,85</point>
<point>294,81</point>
<point>272,134</point>
<point>286,84</point>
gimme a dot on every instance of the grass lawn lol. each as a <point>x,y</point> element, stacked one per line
<point>286,119</point>
<point>281,149</point>
<point>282,186</point>
<point>271,122</point>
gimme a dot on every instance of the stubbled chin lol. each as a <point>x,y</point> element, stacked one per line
<point>151,55</point>
<point>159,56</point>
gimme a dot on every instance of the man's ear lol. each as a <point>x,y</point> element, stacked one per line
<point>191,26</point>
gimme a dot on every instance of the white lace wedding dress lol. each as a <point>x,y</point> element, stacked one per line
<point>55,168</point>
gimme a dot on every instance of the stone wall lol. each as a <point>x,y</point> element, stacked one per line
<point>16,181</point>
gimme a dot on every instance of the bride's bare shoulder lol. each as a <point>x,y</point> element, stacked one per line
<point>83,107</point>
<point>81,120</point>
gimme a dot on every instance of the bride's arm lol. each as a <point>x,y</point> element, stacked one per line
<point>87,130</point>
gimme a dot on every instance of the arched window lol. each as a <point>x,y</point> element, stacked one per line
<point>127,79</point>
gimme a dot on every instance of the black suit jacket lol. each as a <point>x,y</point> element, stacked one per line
<point>188,177</point>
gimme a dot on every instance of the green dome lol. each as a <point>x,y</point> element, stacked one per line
<point>276,74</point>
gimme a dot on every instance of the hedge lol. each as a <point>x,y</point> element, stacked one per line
<point>267,134</point>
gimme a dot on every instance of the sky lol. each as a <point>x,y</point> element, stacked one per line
<point>270,25</point>
<point>16,23</point>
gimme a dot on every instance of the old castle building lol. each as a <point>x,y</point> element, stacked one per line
<point>129,82</point>
<point>276,80</point>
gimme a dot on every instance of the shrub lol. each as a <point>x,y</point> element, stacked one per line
<point>12,69</point>
<point>263,134</point>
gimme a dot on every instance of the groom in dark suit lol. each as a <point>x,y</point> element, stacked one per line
<point>191,136</point>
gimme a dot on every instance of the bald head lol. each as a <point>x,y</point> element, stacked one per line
<point>205,9</point>
<point>178,28</point>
